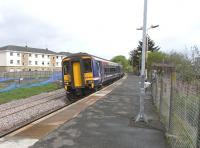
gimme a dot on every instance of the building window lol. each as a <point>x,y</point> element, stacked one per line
<point>23,63</point>
<point>30,62</point>
<point>48,56</point>
<point>36,63</point>
<point>57,63</point>
<point>18,54</point>
<point>57,57</point>
<point>43,63</point>
<point>11,61</point>
<point>12,70</point>
<point>42,56</point>
<point>11,53</point>
<point>29,54</point>
<point>36,55</point>
<point>48,63</point>
<point>53,58</point>
<point>18,62</point>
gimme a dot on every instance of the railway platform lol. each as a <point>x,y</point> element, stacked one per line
<point>109,123</point>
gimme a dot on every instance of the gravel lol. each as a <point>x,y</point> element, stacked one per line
<point>16,113</point>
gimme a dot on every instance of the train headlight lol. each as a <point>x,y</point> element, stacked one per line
<point>67,83</point>
<point>90,81</point>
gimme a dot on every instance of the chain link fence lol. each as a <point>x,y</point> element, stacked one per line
<point>178,104</point>
<point>13,80</point>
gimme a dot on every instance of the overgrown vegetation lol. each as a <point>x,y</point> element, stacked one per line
<point>21,93</point>
<point>123,61</point>
<point>186,67</point>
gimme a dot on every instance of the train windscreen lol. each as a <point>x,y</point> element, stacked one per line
<point>87,65</point>
<point>66,67</point>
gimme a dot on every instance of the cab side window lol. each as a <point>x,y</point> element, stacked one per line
<point>87,65</point>
<point>66,67</point>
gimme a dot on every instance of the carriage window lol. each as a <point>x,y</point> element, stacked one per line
<point>66,67</point>
<point>87,65</point>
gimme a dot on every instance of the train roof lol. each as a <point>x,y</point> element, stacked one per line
<point>86,54</point>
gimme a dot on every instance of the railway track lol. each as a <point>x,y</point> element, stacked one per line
<point>29,100</point>
<point>14,117</point>
<point>19,115</point>
<point>18,111</point>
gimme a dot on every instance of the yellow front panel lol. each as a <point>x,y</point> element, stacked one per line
<point>77,74</point>
<point>88,76</point>
<point>67,78</point>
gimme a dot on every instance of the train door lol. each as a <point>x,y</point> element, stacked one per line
<point>77,74</point>
<point>98,71</point>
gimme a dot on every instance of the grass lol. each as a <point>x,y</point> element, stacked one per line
<point>21,93</point>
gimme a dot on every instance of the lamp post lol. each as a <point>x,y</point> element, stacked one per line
<point>141,116</point>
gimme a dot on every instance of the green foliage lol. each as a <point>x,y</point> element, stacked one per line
<point>151,45</point>
<point>184,67</point>
<point>155,57</point>
<point>123,61</point>
<point>21,93</point>
<point>135,55</point>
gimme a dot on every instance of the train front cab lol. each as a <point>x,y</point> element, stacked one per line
<point>77,75</point>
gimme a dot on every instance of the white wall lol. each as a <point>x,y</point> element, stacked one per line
<point>59,60</point>
<point>14,57</point>
<point>3,58</point>
<point>39,59</point>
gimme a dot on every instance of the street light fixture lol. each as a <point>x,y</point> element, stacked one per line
<point>146,53</point>
<point>151,27</point>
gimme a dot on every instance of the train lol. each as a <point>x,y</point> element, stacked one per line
<point>82,72</point>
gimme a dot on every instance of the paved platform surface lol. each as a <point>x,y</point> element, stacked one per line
<point>109,123</point>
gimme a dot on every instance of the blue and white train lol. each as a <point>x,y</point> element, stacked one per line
<point>83,72</point>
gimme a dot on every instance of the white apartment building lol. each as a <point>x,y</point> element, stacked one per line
<point>18,58</point>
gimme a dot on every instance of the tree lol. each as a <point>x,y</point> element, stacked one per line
<point>156,57</point>
<point>183,66</point>
<point>121,60</point>
<point>135,55</point>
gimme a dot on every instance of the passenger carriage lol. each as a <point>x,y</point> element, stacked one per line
<point>83,72</point>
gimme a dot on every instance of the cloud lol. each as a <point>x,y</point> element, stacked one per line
<point>100,27</point>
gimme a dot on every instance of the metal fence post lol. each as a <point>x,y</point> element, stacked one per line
<point>156,87</point>
<point>161,95</point>
<point>153,86</point>
<point>198,130</point>
<point>173,81</point>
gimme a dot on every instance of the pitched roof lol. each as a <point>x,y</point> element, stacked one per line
<point>27,49</point>
<point>64,53</point>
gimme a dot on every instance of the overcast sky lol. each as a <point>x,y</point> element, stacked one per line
<point>101,27</point>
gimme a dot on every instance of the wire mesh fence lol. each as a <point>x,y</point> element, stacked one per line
<point>13,80</point>
<point>178,104</point>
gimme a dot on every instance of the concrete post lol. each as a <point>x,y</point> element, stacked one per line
<point>161,95</point>
<point>173,83</point>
